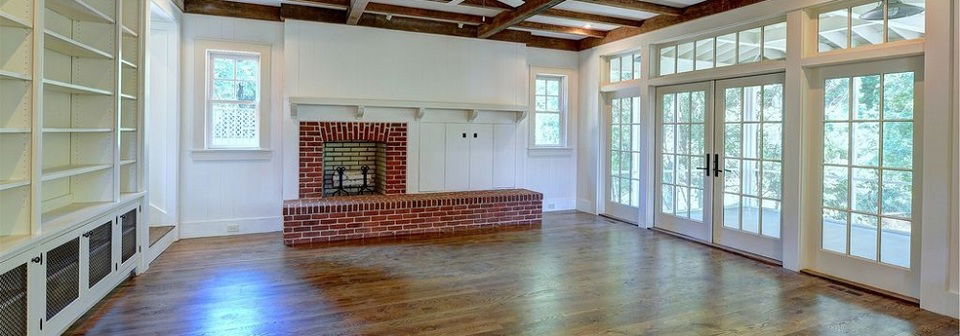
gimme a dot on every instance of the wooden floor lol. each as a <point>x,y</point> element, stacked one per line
<point>579,274</point>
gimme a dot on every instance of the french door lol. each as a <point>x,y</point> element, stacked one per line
<point>749,137</point>
<point>622,199</point>
<point>684,145</point>
<point>865,166</point>
<point>719,171</point>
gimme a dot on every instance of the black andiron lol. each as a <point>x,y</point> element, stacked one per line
<point>365,187</point>
<point>340,190</point>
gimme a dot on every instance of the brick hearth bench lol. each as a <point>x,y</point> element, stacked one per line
<point>327,219</point>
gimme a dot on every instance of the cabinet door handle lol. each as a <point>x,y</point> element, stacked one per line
<point>37,259</point>
<point>474,135</point>
<point>464,135</point>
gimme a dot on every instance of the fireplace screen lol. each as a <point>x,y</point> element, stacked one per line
<point>353,168</point>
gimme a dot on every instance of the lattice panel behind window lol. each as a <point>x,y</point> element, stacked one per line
<point>233,100</point>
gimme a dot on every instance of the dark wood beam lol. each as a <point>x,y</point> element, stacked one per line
<point>561,29</point>
<point>554,12</point>
<point>356,10</point>
<point>232,9</point>
<point>369,19</point>
<point>706,8</point>
<point>638,5</point>
<point>565,14</point>
<point>509,18</point>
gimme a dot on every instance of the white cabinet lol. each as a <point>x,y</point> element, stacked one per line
<point>480,137</point>
<point>457,158</point>
<point>432,158</point>
<point>19,305</point>
<point>460,156</point>
<point>504,156</point>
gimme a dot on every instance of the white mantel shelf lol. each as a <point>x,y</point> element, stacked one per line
<point>420,106</point>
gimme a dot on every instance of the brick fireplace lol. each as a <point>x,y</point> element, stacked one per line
<point>324,215</point>
<point>324,146</point>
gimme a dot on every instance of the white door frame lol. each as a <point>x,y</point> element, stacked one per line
<point>885,277</point>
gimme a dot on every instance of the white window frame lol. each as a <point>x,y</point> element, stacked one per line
<point>208,110</point>
<point>636,74</point>
<point>201,92</point>
<point>716,67</point>
<point>567,100</point>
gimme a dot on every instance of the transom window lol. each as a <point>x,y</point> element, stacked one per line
<point>871,22</point>
<point>766,42</point>
<point>233,100</point>
<point>549,107</point>
<point>624,67</point>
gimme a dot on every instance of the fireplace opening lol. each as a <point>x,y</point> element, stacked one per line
<point>354,168</point>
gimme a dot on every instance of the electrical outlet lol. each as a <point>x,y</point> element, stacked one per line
<point>233,228</point>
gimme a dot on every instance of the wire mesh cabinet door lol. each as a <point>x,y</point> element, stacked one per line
<point>128,234</point>
<point>64,271</point>
<point>16,298</point>
<point>99,248</point>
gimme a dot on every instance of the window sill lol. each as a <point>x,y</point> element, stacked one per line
<point>549,151</point>
<point>231,154</point>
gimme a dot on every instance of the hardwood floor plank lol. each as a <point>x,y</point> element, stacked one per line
<point>577,275</point>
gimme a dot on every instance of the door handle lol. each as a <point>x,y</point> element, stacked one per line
<point>706,170</point>
<point>474,135</point>
<point>716,165</point>
<point>464,135</point>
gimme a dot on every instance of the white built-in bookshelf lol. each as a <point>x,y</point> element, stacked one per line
<point>70,112</point>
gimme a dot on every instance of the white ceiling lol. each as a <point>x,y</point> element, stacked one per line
<point>571,5</point>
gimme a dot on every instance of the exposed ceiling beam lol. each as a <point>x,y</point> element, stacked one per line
<point>356,10</point>
<point>638,5</point>
<point>554,12</point>
<point>565,14</point>
<point>509,18</point>
<point>706,8</point>
<point>233,9</point>
<point>560,29</point>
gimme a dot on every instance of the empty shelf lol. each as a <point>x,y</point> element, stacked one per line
<point>10,75</point>
<point>127,162</point>
<point>128,129</point>
<point>8,20</point>
<point>76,130</point>
<point>71,47</point>
<point>10,184</point>
<point>128,64</point>
<point>73,88</point>
<point>67,171</point>
<point>14,130</point>
<point>127,32</point>
<point>128,96</point>
<point>78,10</point>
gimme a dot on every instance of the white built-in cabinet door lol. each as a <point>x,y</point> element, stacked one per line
<point>432,156</point>
<point>480,137</point>
<point>504,156</point>
<point>457,158</point>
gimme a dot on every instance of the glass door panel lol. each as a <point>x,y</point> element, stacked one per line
<point>750,132</point>
<point>684,115</point>
<point>866,170</point>
<point>623,159</point>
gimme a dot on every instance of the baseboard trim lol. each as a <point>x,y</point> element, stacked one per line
<point>862,287</point>
<point>213,228</point>
<point>745,254</point>
<point>155,250</point>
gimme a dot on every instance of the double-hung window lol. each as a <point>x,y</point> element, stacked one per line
<point>233,100</point>
<point>549,111</point>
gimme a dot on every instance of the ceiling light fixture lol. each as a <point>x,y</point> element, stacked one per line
<point>896,8</point>
<point>389,17</point>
